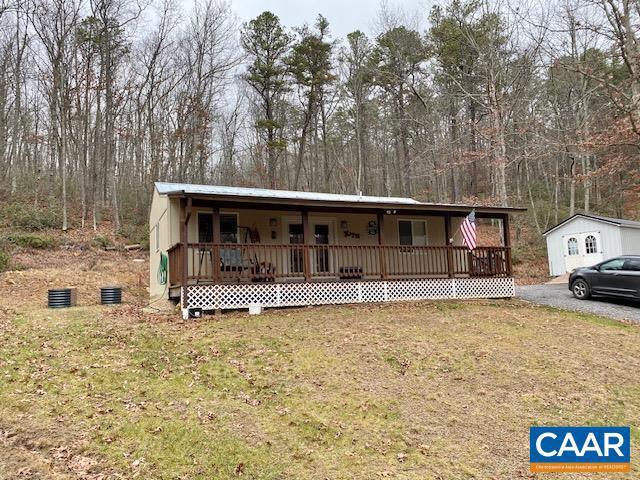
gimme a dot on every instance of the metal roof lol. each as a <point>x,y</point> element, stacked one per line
<point>166,188</point>
<point>621,222</point>
<point>309,198</point>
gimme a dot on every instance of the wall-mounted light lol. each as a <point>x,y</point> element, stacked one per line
<point>344,225</point>
<point>273,223</point>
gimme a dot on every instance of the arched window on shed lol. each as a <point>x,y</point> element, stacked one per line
<point>572,246</point>
<point>591,244</point>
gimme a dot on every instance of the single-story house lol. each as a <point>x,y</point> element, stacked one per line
<point>216,247</point>
<point>584,239</point>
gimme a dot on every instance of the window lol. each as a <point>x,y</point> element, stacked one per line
<point>157,236</point>
<point>632,264</point>
<point>205,227</point>
<point>412,232</point>
<point>228,228</point>
<point>591,245</point>
<point>572,246</point>
<point>615,264</point>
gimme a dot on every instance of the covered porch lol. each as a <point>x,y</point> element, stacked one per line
<point>250,263</point>
<point>230,246</point>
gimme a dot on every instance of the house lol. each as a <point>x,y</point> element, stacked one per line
<point>229,247</point>
<point>585,239</point>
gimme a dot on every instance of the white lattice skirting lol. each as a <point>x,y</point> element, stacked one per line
<point>212,297</point>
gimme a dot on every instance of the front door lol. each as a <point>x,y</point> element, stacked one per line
<point>319,257</point>
<point>296,259</point>
<point>581,250</point>
<point>592,248</point>
<point>321,237</point>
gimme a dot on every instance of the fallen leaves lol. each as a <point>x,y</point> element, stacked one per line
<point>254,402</point>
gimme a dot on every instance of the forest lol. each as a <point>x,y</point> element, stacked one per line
<point>470,101</point>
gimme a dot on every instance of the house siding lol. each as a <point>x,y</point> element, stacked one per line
<point>630,241</point>
<point>165,212</point>
<point>356,223</point>
<point>159,217</point>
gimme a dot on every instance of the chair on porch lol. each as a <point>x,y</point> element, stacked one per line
<point>238,260</point>
<point>486,264</point>
<point>262,271</point>
<point>231,260</point>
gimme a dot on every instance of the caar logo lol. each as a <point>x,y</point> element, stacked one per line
<point>579,449</point>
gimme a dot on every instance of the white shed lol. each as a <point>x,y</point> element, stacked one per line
<point>584,239</point>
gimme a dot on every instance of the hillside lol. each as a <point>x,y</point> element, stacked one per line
<point>413,390</point>
<point>76,259</point>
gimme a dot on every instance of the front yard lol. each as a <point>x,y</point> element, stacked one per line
<point>427,390</point>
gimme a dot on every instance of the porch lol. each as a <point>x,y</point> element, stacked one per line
<point>227,263</point>
<point>287,256</point>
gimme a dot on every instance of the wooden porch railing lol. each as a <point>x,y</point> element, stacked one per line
<point>231,263</point>
<point>175,264</point>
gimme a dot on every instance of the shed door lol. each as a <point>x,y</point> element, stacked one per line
<point>581,250</point>
<point>592,244</point>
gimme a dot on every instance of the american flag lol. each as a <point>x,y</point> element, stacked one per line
<point>468,229</point>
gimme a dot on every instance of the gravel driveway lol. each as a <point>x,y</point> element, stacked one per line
<point>559,296</point>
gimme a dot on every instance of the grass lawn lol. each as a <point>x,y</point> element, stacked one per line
<point>424,390</point>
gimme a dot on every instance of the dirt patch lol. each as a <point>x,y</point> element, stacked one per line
<point>40,454</point>
<point>85,269</point>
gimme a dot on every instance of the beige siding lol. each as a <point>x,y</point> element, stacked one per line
<point>166,213</point>
<point>174,215</point>
<point>345,229</point>
<point>356,223</point>
<point>357,227</point>
<point>159,241</point>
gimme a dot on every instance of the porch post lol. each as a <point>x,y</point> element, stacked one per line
<point>185,215</point>
<point>506,236</point>
<point>306,239</point>
<point>447,235</point>
<point>215,238</point>
<point>383,263</point>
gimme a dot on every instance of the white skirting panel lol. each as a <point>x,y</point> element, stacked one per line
<point>212,297</point>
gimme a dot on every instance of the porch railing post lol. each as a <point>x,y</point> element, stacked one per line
<point>215,250</point>
<point>185,215</point>
<point>447,235</point>
<point>382,258</point>
<point>306,239</point>
<point>507,243</point>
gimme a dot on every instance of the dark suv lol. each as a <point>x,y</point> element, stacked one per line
<point>617,277</point>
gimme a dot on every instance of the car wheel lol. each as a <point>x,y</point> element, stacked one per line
<point>580,289</point>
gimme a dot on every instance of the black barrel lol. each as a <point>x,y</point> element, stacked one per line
<point>59,298</point>
<point>110,295</point>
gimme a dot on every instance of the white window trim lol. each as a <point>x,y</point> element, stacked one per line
<point>577,243</point>
<point>413,219</point>
<point>590,245</point>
